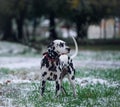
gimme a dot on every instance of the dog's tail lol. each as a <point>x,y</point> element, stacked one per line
<point>76,48</point>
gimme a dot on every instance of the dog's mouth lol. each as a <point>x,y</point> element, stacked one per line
<point>68,49</point>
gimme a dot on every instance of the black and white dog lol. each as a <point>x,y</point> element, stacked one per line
<point>56,63</point>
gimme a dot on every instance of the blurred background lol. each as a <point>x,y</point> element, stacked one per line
<point>28,26</point>
<point>36,22</point>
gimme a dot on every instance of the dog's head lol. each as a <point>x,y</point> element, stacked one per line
<point>59,47</point>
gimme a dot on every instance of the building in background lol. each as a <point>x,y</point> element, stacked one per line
<point>108,29</point>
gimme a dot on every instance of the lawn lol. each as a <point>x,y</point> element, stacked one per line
<point>97,81</point>
<point>95,88</point>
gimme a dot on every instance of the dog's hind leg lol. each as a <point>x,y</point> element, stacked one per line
<point>63,90</point>
<point>71,77</point>
<point>72,82</point>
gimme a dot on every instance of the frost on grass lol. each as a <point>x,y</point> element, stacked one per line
<point>25,92</point>
<point>7,48</point>
<point>19,62</point>
<point>20,79</point>
<point>93,81</point>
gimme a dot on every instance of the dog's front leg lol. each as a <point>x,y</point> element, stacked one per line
<point>43,87</point>
<point>58,87</point>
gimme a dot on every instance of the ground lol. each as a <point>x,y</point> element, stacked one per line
<point>97,79</point>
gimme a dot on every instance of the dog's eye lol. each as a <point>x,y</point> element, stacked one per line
<point>61,45</point>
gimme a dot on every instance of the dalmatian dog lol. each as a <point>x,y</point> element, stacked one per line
<point>56,64</point>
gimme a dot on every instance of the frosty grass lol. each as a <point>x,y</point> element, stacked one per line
<point>97,80</point>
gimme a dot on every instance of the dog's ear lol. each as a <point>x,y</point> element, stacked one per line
<point>51,45</point>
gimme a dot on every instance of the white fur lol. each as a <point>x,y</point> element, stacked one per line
<point>76,48</point>
<point>60,50</point>
<point>52,69</point>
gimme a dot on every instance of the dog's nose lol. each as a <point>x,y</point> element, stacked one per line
<point>68,49</point>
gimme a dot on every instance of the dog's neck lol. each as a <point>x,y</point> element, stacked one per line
<point>52,55</point>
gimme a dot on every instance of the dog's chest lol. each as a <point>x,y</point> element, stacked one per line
<point>51,65</point>
<point>53,75</point>
<point>49,69</point>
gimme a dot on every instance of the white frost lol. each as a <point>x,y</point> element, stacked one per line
<point>92,81</point>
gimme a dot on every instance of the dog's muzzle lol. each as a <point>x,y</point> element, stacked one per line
<point>68,49</point>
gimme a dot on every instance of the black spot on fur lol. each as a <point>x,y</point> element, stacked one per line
<point>45,73</point>
<point>43,82</point>
<point>69,70</point>
<point>57,62</point>
<point>60,77</point>
<point>43,87</point>
<point>74,71</point>
<point>73,78</point>
<point>52,54</point>
<point>51,74</point>
<point>68,58</point>
<point>61,44</point>
<point>45,62</point>
<point>57,86</point>
<point>59,68</point>
<point>50,79</point>
<point>55,77</point>
<point>52,67</point>
<point>71,64</point>
<point>53,48</point>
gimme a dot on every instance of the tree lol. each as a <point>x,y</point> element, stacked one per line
<point>9,10</point>
<point>54,9</point>
<point>81,12</point>
<point>86,12</point>
<point>37,10</point>
<point>20,14</point>
<point>6,19</point>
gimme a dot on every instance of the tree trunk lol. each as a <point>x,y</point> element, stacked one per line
<point>78,29</point>
<point>8,34</point>
<point>27,35</point>
<point>32,38</point>
<point>104,30</point>
<point>81,26</point>
<point>20,22</point>
<point>114,31</point>
<point>52,30</point>
<point>81,30</point>
<point>34,27</point>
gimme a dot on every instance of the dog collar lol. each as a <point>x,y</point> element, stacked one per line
<point>49,58</point>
